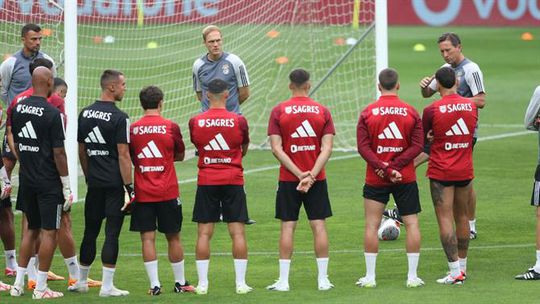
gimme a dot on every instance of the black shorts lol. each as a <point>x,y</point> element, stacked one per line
<point>103,202</point>
<point>19,203</point>
<point>168,215</point>
<point>6,152</point>
<point>43,207</point>
<point>458,184</point>
<point>6,203</point>
<point>289,200</point>
<point>535,197</point>
<point>226,200</point>
<point>405,195</point>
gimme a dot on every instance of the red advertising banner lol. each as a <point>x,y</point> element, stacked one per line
<point>189,11</point>
<point>464,12</point>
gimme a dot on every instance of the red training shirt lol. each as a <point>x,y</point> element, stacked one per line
<point>154,141</point>
<point>452,119</point>
<point>54,99</point>
<point>389,130</point>
<point>301,122</point>
<point>218,136</point>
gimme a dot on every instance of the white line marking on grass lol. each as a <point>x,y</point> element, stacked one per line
<point>345,251</point>
<point>274,167</point>
<point>505,135</point>
<point>268,168</point>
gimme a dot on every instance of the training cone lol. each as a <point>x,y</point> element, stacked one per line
<point>47,32</point>
<point>419,47</point>
<point>97,39</point>
<point>282,60</point>
<point>152,45</point>
<point>339,41</point>
<point>108,39</point>
<point>527,36</point>
<point>272,34</point>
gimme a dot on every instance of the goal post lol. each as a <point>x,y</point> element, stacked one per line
<point>342,43</point>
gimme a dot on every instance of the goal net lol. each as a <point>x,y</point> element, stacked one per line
<point>156,42</point>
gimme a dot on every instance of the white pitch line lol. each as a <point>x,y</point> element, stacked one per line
<point>274,167</point>
<point>343,251</point>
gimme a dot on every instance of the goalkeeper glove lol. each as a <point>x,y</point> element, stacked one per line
<point>6,184</point>
<point>66,190</point>
<point>129,199</point>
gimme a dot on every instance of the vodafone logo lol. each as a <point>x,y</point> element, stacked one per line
<point>509,10</point>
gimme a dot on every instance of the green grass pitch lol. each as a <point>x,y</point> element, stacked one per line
<point>506,223</point>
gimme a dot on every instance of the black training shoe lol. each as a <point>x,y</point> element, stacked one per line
<point>179,288</point>
<point>156,291</point>
<point>393,214</point>
<point>529,275</point>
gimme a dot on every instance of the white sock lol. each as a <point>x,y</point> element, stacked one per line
<point>11,259</point>
<point>463,265</point>
<point>178,270</point>
<point>454,268</point>
<point>19,279</point>
<point>152,272</point>
<point>413,258</point>
<point>537,265</point>
<point>284,267</point>
<point>240,267</point>
<point>371,261</point>
<point>31,269</point>
<point>472,225</point>
<point>83,274</point>
<point>73,267</point>
<point>41,283</point>
<point>322,266</point>
<point>108,277</point>
<point>202,272</point>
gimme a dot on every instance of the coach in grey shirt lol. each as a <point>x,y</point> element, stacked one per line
<point>219,64</point>
<point>14,74</point>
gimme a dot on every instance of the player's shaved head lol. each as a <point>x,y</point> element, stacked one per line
<point>40,62</point>
<point>452,37</point>
<point>217,91</point>
<point>299,77</point>
<point>150,97</point>
<point>42,82</point>
<point>388,79</point>
<point>446,77</point>
<point>108,77</point>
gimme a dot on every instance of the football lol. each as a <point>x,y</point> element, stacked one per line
<point>389,230</point>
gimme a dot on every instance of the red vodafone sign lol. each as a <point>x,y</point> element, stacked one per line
<point>464,12</point>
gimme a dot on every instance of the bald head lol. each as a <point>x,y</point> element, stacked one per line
<point>42,82</point>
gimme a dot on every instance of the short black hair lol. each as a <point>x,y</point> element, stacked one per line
<point>446,77</point>
<point>59,82</point>
<point>452,37</point>
<point>217,86</point>
<point>299,77</point>
<point>108,76</point>
<point>30,27</point>
<point>38,62</point>
<point>150,97</point>
<point>388,78</point>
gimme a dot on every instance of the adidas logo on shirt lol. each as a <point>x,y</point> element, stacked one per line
<point>95,137</point>
<point>218,143</point>
<point>150,151</point>
<point>28,131</point>
<point>459,128</point>
<point>391,132</point>
<point>304,130</point>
